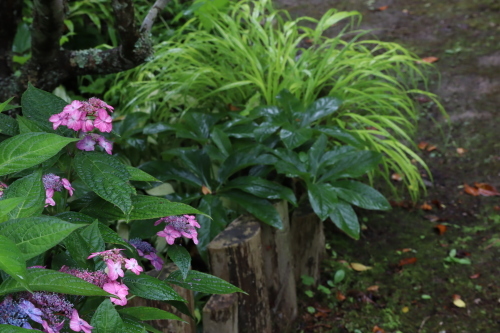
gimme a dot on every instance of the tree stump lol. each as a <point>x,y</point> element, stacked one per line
<point>220,314</point>
<point>235,255</point>
<point>279,270</point>
<point>308,242</point>
<point>169,326</point>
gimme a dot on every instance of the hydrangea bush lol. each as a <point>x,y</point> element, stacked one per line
<point>63,267</point>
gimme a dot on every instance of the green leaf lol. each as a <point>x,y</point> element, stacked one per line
<point>13,329</point>
<point>8,125</point>
<point>322,198</point>
<point>35,235</point>
<point>149,313</point>
<point>243,158</point>
<point>132,325</point>
<point>361,195</point>
<point>350,165</point>
<point>106,176</point>
<point>262,188</point>
<point>292,138</point>
<point>39,105</point>
<point>12,261</point>
<point>40,279</point>
<point>318,109</point>
<point>344,217</point>
<point>106,319</point>
<point>7,205</point>
<point>181,257</point>
<point>290,164</point>
<point>27,126</point>
<point>92,236</point>
<point>139,175</point>
<point>26,150</point>
<point>32,192</point>
<point>148,207</point>
<point>316,153</point>
<point>202,282</point>
<point>148,287</point>
<point>210,227</point>
<point>196,160</point>
<point>260,208</point>
<point>221,140</point>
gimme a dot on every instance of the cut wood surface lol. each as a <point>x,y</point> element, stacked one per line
<point>235,255</point>
<point>279,270</point>
<point>308,242</point>
<point>220,314</point>
<point>169,326</point>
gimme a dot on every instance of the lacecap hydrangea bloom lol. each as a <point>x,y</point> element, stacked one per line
<point>179,226</point>
<point>53,183</point>
<point>147,251</point>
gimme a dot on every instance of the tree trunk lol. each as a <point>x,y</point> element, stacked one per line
<point>235,255</point>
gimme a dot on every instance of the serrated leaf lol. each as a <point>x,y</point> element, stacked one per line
<point>32,191</point>
<point>13,329</point>
<point>7,205</point>
<point>106,176</point>
<point>132,325</point>
<point>181,257</point>
<point>139,175</point>
<point>12,261</point>
<point>8,125</point>
<point>148,207</point>
<point>149,313</point>
<point>202,282</point>
<point>40,279</point>
<point>260,208</point>
<point>345,218</point>
<point>26,150</point>
<point>148,287</point>
<point>27,126</point>
<point>35,235</point>
<point>106,319</point>
<point>361,195</point>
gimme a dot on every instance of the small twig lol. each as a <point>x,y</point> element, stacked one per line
<point>423,323</point>
<point>147,24</point>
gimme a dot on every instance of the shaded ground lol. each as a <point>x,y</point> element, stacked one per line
<point>418,297</point>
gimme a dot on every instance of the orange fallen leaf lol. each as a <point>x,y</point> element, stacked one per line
<point>431,147</point>
<point>205,190</point>
<point>406,250</point>
<point>440,228</point>
<point>407,261</point>
<point>430,60</point>
<point>382,8</point>
<point>474,276</point>
<point>486,189</point>
<point>497,208</point>
<point>377,329</point>
<point>340,296</point>
<point>471,190</point>
<point>359,267</point>
<point>426,206</point>
<point>397,177</point>
<point>422,145</point>
<point>233,107</point>
<point>461,151</point>
<point>372,288</point>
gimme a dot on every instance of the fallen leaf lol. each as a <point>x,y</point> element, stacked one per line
<point>382,8</point>
<point>461,151</point>
<point>407,261</point>
<point>430,60</point>
<point>422,145</point>
<point>372,288</point>
<point>431,148</point>
<point>340,296</point>
<point>422,99</point>
<point>433,218</point>
<point>441,229</point>
<point>457,301</point>
<point>233,107</point>
<point>359,267</point>
<point>405,11</point>
<point>406,250</point>
<point>471,190</point>
<point>205,190</point>
<point>486,189</point>
<point>475,276</point>
<point>497,208</point>
<point>308,41</point>
<point>405,309</point>
<point>426,206</point>
<point>377,329</point>
<point>397,177</point>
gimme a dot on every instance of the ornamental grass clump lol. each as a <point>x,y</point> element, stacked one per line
<point>253,51</point>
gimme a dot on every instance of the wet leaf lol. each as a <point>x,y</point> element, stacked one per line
<point>441,229</point>
<point>205,190</point>
<point>407,261</point>
<point>426,206</point>
<point>340,296</point>
<point>372,288</point>
<point>377,329</point>
<point>397,177</point>
<point>474,276</point>
<point>430,60</point>
<point>359,267</point>
<point>457,301</point>
<point>471,190</point>
<point>431,147</point>
<point>486,189</point>
<point>461,151</point>
<point>422,145</point>
<point>382,8</point>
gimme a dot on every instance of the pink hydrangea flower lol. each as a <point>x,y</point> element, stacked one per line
<point>133,266</point>
<point>178,226</point>
<point>103,121</point>
<point>117,289</point>
<point>170,234</point>
<point>105,144</point>
<point>77,324</point>
<point>114,269</point>
<point>53,183</point>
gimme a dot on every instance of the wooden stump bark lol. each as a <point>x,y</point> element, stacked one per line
<point>235,255</point>
<point>220,314</point>
<point>169,326</point>
<point>308,242</point>
<point>279,270</point>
